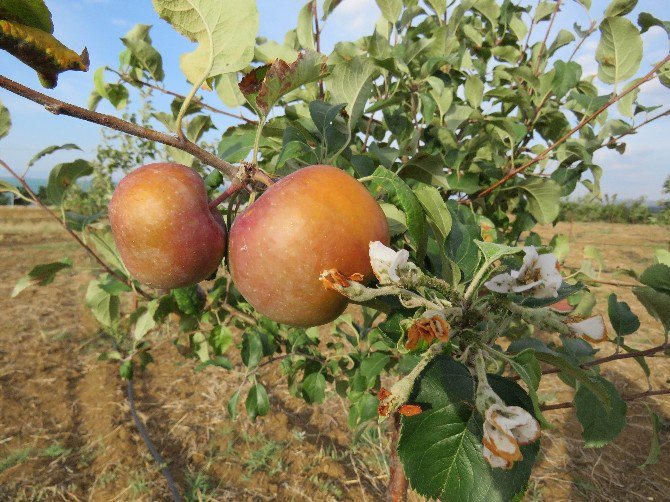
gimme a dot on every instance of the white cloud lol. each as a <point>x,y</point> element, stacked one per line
<point>353,19</point>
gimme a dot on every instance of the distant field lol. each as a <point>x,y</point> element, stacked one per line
<point>65,432</point>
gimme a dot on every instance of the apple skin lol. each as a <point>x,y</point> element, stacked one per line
<point>314,219</point>
<point>163,227</point>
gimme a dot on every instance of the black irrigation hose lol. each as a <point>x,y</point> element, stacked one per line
<point>152,449</point>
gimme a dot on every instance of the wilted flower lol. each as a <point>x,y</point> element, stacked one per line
<point>332,278</point>
<point>593,329</point>
<point>538,277</point>
<point>388,264</point>
<point>505,429</point>
<point>427,329</point>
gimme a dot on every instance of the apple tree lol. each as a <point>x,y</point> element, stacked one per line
<point>444,137</point>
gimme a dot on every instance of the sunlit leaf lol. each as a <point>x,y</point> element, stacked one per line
<point>225,31</point>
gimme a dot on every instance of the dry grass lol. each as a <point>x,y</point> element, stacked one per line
<point>56,397</point>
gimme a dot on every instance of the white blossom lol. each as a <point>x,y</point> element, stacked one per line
<point>386,262</point>
<point>593,328</point>
<point>505,429</point>
<point>538,277</point>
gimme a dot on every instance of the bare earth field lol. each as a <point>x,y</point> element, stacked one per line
<point>66,432</point>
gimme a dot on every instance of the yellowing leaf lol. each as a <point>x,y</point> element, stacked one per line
<point>32,13</point>
<point>41,51</point>
<point>225,31</point>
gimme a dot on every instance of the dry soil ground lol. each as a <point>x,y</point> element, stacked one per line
<point>66,434</point>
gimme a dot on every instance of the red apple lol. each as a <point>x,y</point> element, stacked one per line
<point>162,225</point>
<point>315,219</point>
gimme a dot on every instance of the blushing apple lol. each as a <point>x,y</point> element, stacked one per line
<point>162,225</point>
<point>314,219</point>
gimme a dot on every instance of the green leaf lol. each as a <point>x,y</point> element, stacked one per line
<point>41,275</point>
<point>51,149</point>
<point>6,186</point>
<point>543,199</point>
<point>126,370</point>
<point>619,52</point>
<point>304,31</point>
<point>526,365</point>
<point>439,6</point>
<point>620,7</point>
<point>220,338</point>
<point>225,31</point>
<point>227,88</point>
<point>5,121</point>
<point>385,181</point>
<point>62,176</point>
<point>657,304</point>
<point>584,378</point>
<point>41,51</point>
<point>145,54</point>
<point>489,9</point>
<point>145,322</point>
<point>474,90</point>
<point>441,447</point>
<point>646,21</point>
<point>655,446</point>
<point>351,83</point>
<point>493,251</point>
<point>232,404</point>
<point>601,423</point>
<point>438,215</point>
<point>544,10</point>
<point>391,9</point>
<point>252,349</point>
<point>236,143</point>
<point>314,388</point>
<point>329,6</point>
<point>104,307</point>
<point>657,276</point>
<point>373,365</point>
<point>623,320</point>
<point>257,403</point>
<point>264,86</point>
<point>461,248</point>
<point>33,13</point>
<point>566,77</point>
<point>662,256</point>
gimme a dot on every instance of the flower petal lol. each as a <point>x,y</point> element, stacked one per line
<point>495,461</point>
<point>501,283</point>
<point>593,329</point>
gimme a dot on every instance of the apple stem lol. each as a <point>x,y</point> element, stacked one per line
<point>232,189</point>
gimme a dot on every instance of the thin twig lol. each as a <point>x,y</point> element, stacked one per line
<point>629,397</point>
<point>176,496</point>
<point>613,99</point>
<point>635,128</point>
<point>232,189</point>
<point>87,248</point>
<point>591,29</point>
<point>58,107</point>
<point>317,40</point>
<point>131,80</point>
<point>546,37</point>
<point>614,357</point>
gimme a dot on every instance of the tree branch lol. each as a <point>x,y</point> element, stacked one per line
<point>629,397</point>
<point>613,99</point>
<point>90,251</point>
<point>398,481</point>
<point>199,102</point>
<point>58,107</point>
<point>615,357</point>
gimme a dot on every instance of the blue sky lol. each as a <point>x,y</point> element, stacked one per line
<point>98,25</point>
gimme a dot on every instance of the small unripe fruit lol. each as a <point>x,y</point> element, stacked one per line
<point>162,225</point>
<point>315,219</point>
